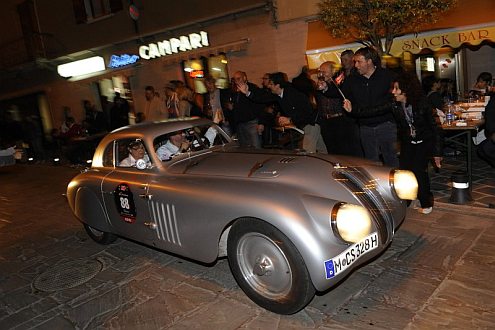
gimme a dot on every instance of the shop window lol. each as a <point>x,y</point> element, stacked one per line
<point>195,70</point>
<point>217,68</point>
<point>86,11</point>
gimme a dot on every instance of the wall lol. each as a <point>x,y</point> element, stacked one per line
<point>155,16</point>
<point>478,61</point>
<point>270,49</point>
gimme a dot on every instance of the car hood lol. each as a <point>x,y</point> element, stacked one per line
<point>261,164</point>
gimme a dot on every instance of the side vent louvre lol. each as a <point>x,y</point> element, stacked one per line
<point>166,221</point>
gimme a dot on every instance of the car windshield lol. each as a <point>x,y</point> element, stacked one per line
<point>195,138</point>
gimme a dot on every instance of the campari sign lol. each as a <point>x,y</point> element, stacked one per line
<point>174,45</point>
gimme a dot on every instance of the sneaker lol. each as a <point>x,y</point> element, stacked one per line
<point>426,210</point>
<point>415,204</point>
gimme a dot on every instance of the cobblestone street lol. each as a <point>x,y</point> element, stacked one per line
<point>437,274</point>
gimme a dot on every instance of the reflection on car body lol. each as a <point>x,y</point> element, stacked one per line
<point>290,223</point>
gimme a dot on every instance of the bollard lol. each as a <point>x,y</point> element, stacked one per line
<point>460,189</point>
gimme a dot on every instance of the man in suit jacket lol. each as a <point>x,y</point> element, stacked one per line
<point>295,109</point>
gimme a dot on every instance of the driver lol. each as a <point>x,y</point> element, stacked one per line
<point>176,143</point>
<point>136,152</point>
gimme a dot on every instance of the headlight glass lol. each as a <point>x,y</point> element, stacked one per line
<point>351,222</point>
<point>405,184</point>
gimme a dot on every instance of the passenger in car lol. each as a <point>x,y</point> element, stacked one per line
<point>136,152</point>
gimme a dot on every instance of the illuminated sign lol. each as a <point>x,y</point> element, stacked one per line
<point>196,74</point>
<point>82,67</point>
<point>122,60</point>
<point>174,45</point>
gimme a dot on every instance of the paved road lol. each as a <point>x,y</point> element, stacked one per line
<point>438,273</point>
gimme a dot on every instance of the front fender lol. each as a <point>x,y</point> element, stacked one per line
<point>317,243</point>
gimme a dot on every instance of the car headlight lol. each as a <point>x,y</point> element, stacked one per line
<point>350,222</point>
<point>404,183</point>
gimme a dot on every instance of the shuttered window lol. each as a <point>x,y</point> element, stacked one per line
<point>86,11</point>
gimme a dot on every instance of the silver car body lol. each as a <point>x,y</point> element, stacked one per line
<point>187,205</point>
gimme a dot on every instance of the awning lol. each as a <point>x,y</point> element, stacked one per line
<point>229,47</point>
<point>432,40</point>
<point>318,56</point>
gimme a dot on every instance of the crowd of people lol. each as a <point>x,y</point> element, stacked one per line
<point>356,108</point>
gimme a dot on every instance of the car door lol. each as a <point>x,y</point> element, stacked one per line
<point>126,195</point>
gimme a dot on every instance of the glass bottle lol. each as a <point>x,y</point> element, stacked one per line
<point>450,116</point>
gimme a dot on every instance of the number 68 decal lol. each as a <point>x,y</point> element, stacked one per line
<point>124,201</point>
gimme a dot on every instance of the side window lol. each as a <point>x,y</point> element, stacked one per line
<point>129,151</point>
<point>195,138</point>
<point>108,155</point>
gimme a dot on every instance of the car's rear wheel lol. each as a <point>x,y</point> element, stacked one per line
<point>268,267</point>
<point>99,236</point>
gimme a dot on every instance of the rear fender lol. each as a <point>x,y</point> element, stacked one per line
<point>89,210</point>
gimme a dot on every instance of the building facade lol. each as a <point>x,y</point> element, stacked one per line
<point>152,42</point>
<point>140,44</point>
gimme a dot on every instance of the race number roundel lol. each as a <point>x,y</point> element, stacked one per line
<point>125,203</point>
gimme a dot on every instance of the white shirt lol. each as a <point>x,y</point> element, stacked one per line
<point>155,109</point>
<point>129,161</point>
<point>166,151</point>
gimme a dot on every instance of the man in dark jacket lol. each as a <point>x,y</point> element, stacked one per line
<point>245,113</point>
<point>372,104</point>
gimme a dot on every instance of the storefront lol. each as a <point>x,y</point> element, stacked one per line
<point>189,58</point>
<point>457,47</point>
<point>448,53</point>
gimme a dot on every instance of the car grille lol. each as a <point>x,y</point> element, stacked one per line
<point>166,222</point>
<point>365,190</point>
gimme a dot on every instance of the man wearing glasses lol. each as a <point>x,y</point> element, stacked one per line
<point>136,152</point>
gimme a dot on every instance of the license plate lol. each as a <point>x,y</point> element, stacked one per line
<point>341,262</point>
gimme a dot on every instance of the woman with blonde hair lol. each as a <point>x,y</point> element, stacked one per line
<point>185,96</point>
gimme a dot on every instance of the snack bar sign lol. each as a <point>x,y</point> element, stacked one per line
<point>174,45</point>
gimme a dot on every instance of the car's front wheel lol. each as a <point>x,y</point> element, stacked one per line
<point>268,267</point>
<point>98,236</point>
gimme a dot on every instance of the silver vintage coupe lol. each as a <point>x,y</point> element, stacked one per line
<point>290,223</point>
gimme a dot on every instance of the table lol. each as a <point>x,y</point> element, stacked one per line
<point>463,138</point>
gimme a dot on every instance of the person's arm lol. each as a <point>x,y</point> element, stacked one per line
<point>163,153</point>
<point>366,112</point>
<point>302,112</point>
<point>126,162</point>
<point>210,135</point>
<point>256,94</point>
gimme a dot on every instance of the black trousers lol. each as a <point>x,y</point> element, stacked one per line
<point>341,136</point>
<point>415,157</point>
